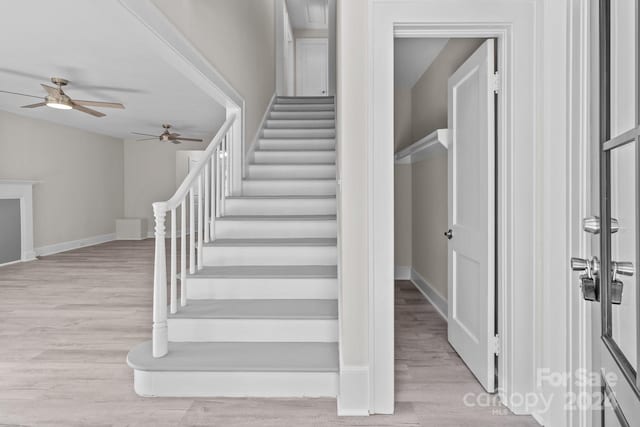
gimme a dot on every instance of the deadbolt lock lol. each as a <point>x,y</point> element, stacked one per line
<point>592,225</point>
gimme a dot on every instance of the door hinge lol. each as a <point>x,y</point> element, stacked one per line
<point>494,82</point>
<point>495,344</point>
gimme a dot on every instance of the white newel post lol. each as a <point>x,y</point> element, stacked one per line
<point>160,338</point>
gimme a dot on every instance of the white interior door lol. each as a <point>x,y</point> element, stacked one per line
<point>471,157</point>
<point>312,67</point>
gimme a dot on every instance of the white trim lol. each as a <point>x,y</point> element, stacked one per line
<point>180,53</point>
<point>74,244</point>
<point>402,272</point>
<point>254,143</point>
<point>235,384</point>
<point>515,24</point>
<point>23,191</point>
<point>6,264</point>
<point>419,150</point>
<point>430,293</point>
<point>353,398</point>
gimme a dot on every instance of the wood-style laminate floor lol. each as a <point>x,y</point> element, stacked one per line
<point>67,322</point>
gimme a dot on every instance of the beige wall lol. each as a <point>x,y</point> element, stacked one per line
<point>81,193</point>
<point>429,219</point>
<point>429,94</point>
<point>402,215</point>
<point>150,175</point>
<point>352,132</point>
<point>238,38</point>
<point>402,178</point>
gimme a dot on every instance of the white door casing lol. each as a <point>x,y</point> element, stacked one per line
<point>471,202</point>
<point>312,67</point>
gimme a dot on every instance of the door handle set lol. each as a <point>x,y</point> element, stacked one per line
<point>590,278</point>
<point>448,234</point>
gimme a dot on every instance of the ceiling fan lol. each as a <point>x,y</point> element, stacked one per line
<point>167,135</point>
<point>56,98</point>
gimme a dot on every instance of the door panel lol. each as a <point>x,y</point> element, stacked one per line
<point>623,247</point>
<point>312,65</point>
<point>617,348</point>
<point>471,199</point>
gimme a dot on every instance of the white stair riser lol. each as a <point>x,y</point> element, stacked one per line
<point>289,188</point>
<point>310,115</point>
<point>304,107</point>
<point>248,206</point>
<point>230,229</point>
<point>301,156</point>
<point>300,124</point>
<point>291,171</point>
<point>305,100</point>
<point>262,288</point>
<point>299,133</point>
<point>214,256</point>
<point>253,330</point>
<point>297,144</point>
<point>235,384</point>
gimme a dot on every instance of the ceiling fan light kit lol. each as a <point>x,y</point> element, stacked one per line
<point>56,98</point>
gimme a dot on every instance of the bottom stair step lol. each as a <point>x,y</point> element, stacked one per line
<point>237,369</point>
<point>255,321</point>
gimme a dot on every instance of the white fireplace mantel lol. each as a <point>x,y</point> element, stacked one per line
<point>22,190</point>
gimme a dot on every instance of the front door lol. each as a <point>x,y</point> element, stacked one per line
<point>471,183</point>
<point>609,278</point>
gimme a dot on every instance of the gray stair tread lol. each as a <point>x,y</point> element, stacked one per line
<point>275,242</point>
<point>277,218</point>
<point>287,165</point>
<point>258,309</point>
<point>237,357</point>
<point>330,150</point>
<point>279,197</point>
<point>269,272</point>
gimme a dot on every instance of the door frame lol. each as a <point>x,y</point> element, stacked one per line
<point>521,153</point>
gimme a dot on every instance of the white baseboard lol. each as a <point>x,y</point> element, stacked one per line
<point>74,244</point>
<point>429,292</point>
<point>353,398</point>
<point>402,272</point>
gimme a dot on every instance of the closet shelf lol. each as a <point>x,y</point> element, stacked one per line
<point>418,149</point>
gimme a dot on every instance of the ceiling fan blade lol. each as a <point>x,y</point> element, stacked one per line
<point>147,139</point>
<point>94,113</point>
<point>39,104</point>
<point>21,94</point>
<point>189,139</point>
<point>144,134</point>
<point>53,91</point>
<point>99,104</point>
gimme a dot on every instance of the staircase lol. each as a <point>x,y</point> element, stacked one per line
<point>261,313</point>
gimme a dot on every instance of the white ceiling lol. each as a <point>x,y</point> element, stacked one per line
<point>308,14</point>
<point>105,54</point>
<point>412,57</point>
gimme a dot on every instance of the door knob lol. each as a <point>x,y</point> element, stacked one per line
<point>448,234</point>
<point>592,225</point>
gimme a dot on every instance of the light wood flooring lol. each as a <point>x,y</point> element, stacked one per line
<point>67,322</point>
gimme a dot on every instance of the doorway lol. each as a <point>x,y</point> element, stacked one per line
<point>445,100</point>
<point>515,272</point>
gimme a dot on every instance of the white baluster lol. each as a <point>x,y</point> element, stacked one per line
<point>174,287</point>
<point>218,161</point>
<point>192,233</point>
<point>212,231</point>
<point>183,253</point>
<point>160,337</point>
<point>200,221</point>
<point>206,203</point>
